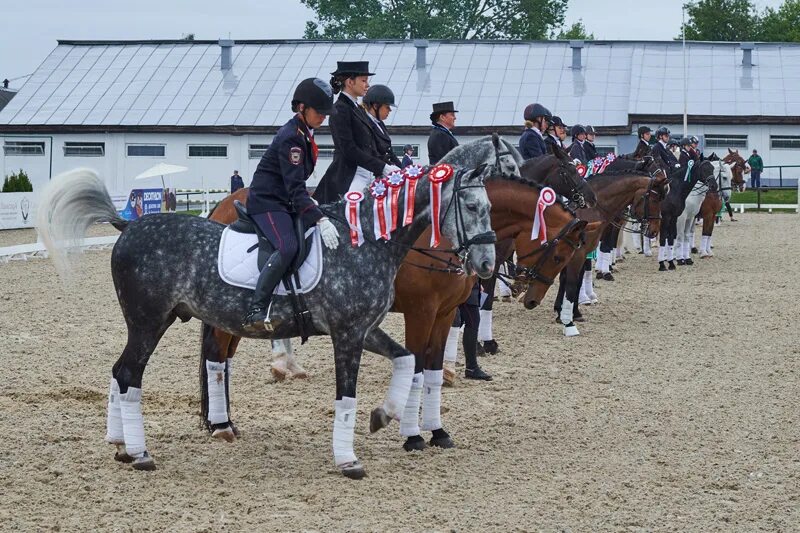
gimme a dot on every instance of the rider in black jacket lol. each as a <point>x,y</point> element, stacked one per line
<point>441,139</point>
<point>661,153</point>
<point>379,102</point>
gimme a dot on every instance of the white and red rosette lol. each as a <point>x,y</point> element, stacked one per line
<point>547,197</point>
<point>354,199</point>
<point>581,168</point>
<point>437,175</point>
<point>380,191</point>
<point>396,180</point>
<point>412,173</point>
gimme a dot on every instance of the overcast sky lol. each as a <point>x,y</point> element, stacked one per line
<point>30,29</point>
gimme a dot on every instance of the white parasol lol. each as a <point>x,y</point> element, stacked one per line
<point>161,169</point>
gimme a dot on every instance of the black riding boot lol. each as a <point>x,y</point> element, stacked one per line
<point>473,370</point>
<point>269,278</point>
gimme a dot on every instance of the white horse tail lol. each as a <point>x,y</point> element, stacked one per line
<point>69,204</point>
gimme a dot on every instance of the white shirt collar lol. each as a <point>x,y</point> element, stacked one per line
<point>354,100</point>
<point>539,133</point>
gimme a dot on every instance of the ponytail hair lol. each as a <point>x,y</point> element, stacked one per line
<point>337,82</point>
<point>529,124</point>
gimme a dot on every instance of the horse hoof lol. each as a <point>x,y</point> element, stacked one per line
<point>491,346</point>
<point>299,374</point>
<point>227,434</point>
<point>414,444</point>
<point>278,373</point>
<point>448,376</point>
<point>378,419</point>
<point>694,250</point>
<point>570,330</point>
<point>122,456</point>
<point>689,262</point>
<point>608,276</point>
<point>662,267</point>
<point>441,439</point>
<point>671,266</point>
<point>354,470</point>
<point>234,429</point>
<point>144,463</point>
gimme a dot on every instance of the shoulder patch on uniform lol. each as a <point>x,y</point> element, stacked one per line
<point>295,155</point>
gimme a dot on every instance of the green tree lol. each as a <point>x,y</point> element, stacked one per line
<point>435,19</point>
<point>722,20</point>
<point>576,32</point>
<point>782,24</point>
<point>18,182</point>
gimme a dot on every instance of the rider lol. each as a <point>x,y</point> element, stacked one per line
<point>695,143</point>
<point>378,103</point>
<point>687,154</point>
<point>588,145</point>
<point>577,150</point>
<point>355,158</point>
<point>408,152</point>
<point>278,191</point>
<point>441,139</point>
<point>537,120</point>
<point>555,133</point>
<point>645,133</point>
<point>660,151</point>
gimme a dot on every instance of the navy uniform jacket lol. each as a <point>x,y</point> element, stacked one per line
<point>660,153</point>
<point>279,182</point>
<point>590,150</point>
<point>354,146</point>
<point>685,158</point>
<point>576,151</point>
<point>406,161</point>
<point>440,141</point>
<point>383,143</point>
<point>236,183</point>
<point>531,144</point>
<point>551,143</point>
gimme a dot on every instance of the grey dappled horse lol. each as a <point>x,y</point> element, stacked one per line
<point>164,267</point>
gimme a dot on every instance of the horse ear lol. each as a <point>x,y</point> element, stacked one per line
<point>496,140</point>
<point>730,151</point>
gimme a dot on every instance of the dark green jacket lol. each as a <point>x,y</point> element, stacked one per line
<point>756,163</point>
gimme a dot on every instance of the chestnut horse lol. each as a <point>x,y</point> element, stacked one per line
<point>429,287</point>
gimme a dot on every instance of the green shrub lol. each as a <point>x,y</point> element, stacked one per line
<point>18,182</point>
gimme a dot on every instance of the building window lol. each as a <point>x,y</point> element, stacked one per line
<point>725,141</point>
<point>325,151</point>
<point>782,142</point>
<point>23,148</point>
<point>398,150</point>
<point>603,151</point>
<point>146,150</point>
<point>257,151</point>
<point>208,150</point>
<point>76,149</point>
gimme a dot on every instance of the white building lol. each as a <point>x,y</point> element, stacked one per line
<point>122,106</point>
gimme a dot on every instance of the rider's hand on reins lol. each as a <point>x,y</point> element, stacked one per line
<point>330,236</point>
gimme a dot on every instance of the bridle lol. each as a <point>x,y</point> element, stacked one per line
<point>575,195</point>
<point>644,220</point>
<point>531,274</point>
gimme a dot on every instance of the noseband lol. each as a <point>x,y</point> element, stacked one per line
<point>575,195</point>
<point>531,274</point>
<point>464,242</point>
<point>644,221</point>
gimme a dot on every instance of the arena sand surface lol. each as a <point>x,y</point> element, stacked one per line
<point>675,410</point>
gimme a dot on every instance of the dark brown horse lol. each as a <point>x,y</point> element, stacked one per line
<point>428,290</point>
<point>739,169</point>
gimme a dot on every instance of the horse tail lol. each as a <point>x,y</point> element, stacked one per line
<point>69,204</point>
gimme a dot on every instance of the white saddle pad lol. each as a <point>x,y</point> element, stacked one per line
<point>239,267</point>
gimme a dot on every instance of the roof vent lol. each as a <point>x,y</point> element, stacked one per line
<point>576,53</point>
<point>5,83</point>
<point>226,59</point>
<point>422,47</point>
<point>747,55</point>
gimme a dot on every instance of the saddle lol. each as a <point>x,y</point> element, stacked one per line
<point>245,224</point>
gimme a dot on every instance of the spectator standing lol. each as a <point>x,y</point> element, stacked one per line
<point>408,152</point>
<point>756,167</point>
<point>236,182</point>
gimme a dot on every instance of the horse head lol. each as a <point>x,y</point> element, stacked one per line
<point>558,171</point>
<point>467,221</point>
<point>739,168</point>
<point>647,209</point>
<point>500,156</point>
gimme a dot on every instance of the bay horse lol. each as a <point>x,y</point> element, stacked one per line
<point>614,190</point>
<point>164,268</point>
<point>711,208</point>
<point>739,168</point>
<point>428,289</point>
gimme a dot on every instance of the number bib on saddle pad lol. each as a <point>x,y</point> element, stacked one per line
<point>238,261</point>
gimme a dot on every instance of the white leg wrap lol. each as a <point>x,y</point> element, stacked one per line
<point>217,408</point>
<point>662,253</point>
<point>566,311</point>
<point>671,252</point>
<point>344,427</point>
<point>114,433</point>
<point>399,386</point>
<point>282,346</point>
<point>432,400</point>
<point>409,424</point>
<point>503,290</point>
<point>648,251</point>
<point>600,260</point>
<point>451,347</point>
<point>687,249</point>
<point>588,283</point>
<point>485,329</point>
<point>132,421</point>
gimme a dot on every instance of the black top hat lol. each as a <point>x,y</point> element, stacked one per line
<point>352,68</point>
<point>444,107</point>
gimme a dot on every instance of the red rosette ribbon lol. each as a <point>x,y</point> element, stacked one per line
<point>354,199</point>
<point>412,173</point>
<point>581,170</point>
<point>437,175</point>
<point>396,180</point>
<point>379,191</point>
<point>547,197</point>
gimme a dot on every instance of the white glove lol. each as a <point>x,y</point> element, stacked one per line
<point>388,169</point>
<point>328,232</point>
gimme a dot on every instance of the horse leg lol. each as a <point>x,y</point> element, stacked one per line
<point>215,369</point>
<point>688,241</point>
<point>705,239</point>
<point>572,272</point>
<point>485,333</point>
<point>125,422</point>
<point>679,238</point>
<point>662,248</point>
<point>562,287</point>
<point>433,379</point>
<point>348,346</point>
<point>284,362</point>
<point>450,348</point>
<point>403,364</point>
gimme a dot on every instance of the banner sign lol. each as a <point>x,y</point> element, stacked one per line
<point>17,210</point>
<point>145,201</point>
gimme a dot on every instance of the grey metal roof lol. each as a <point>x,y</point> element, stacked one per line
<point>164,84</point>
<point>5,97</point>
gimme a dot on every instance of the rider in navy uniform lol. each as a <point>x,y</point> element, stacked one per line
<point>577,151</point>
<point>553,139</point>
<point>588,146</point>
<point>378,102</point>
<point>441,139</point>
<point>660,151</point>
<point>537,120</point>
<point>643,148</point>
<point>355,158</point>
<point>278,191</point>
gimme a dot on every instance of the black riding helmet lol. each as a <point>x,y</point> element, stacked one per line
<point>577,129</point>
<point>686,141</point>
<point>694,140</point>
<point>536,110</point>
<point>314,93</point>
<point>556,121</point>
<point>644,129</point>
<point>589,130</point>
<point>663,130</point>
<point>379,94</point>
